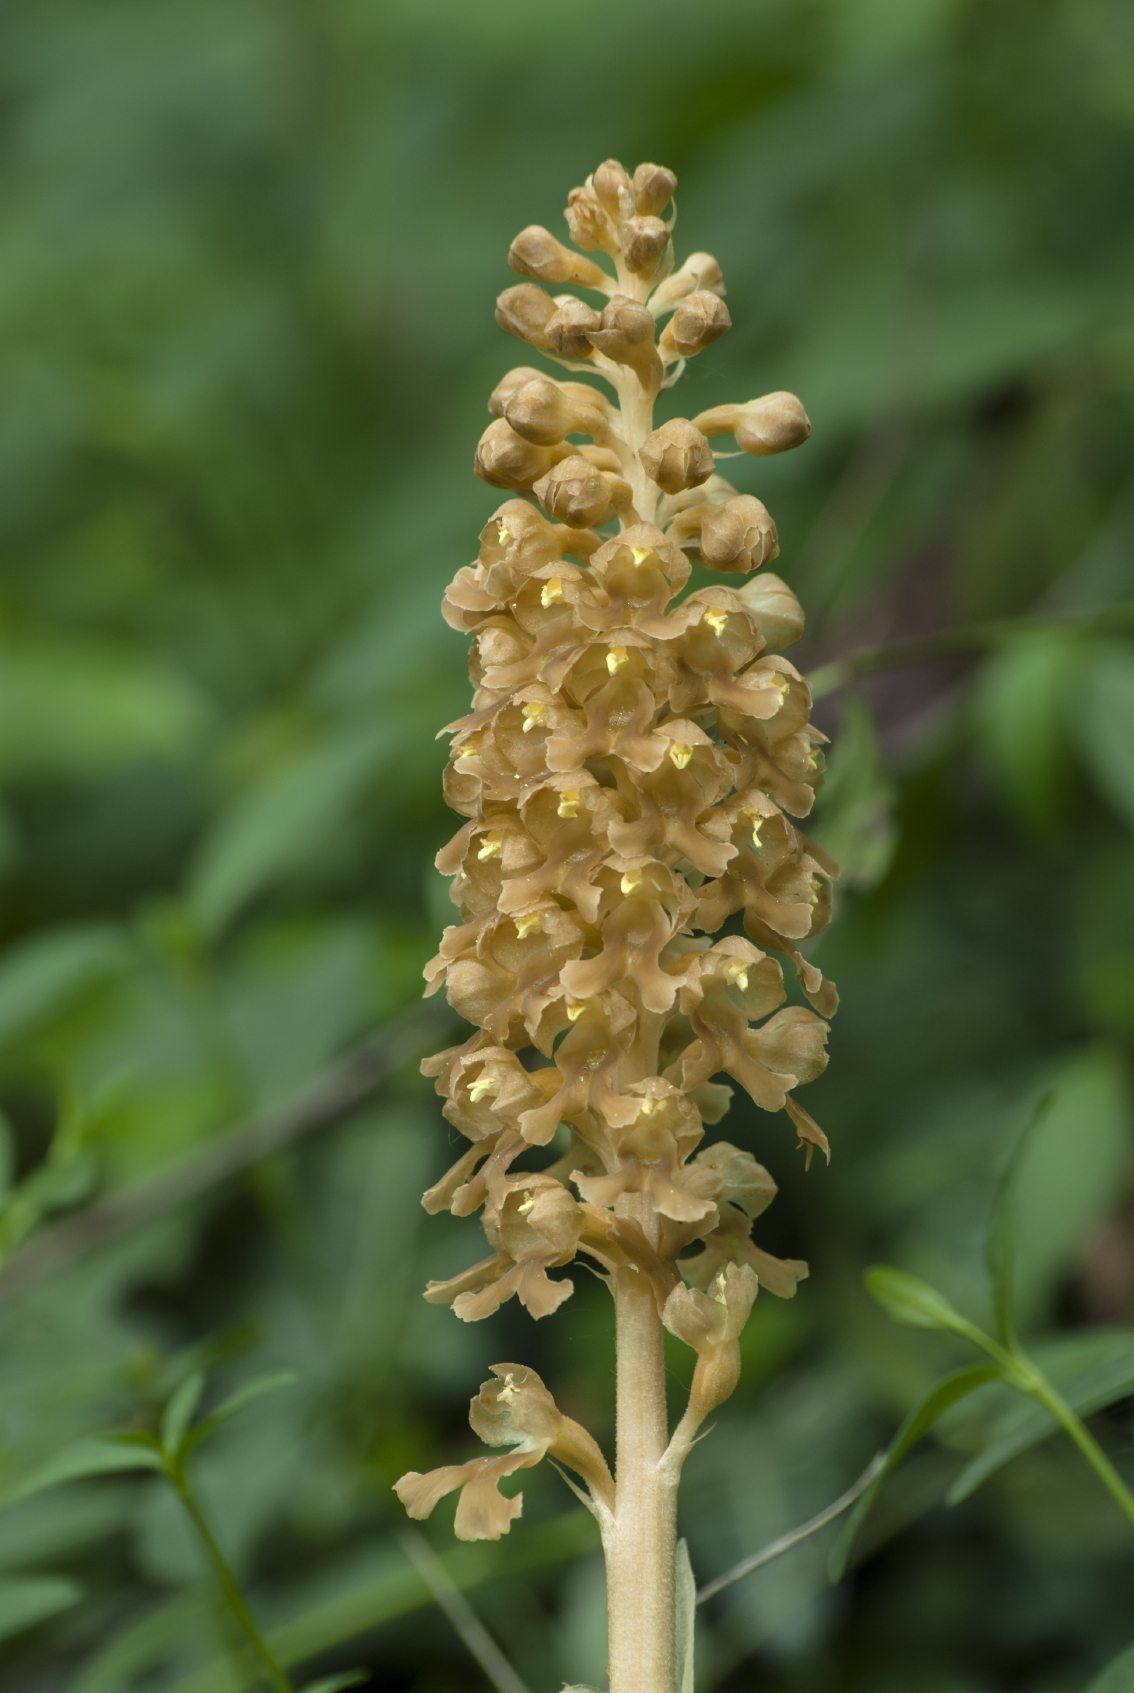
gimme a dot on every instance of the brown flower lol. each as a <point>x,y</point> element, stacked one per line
<point>630,775</point>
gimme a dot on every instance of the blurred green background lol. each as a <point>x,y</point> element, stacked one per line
<point>251,249</point>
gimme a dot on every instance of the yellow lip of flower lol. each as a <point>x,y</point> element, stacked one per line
<point>720,1283</point>
<point>507,1390</point>
<point>813,891</point>
<point>527,1206</point>
<point>483,1086</point>
<point>569,804</point>
<point>491,844</point>
<point>534,713</point>
<point>648,1108</point>
<point>680,753</point>
<point>639,554</point>
<point>812,761</point>
<point>631,881</point>
<point>757,822</point>
<point>503,534</point>
<point>717,621</point>
<point>471,747</point>
<point>552,592</point>
<point>574,1012</point>
<point>616,658</point>
<point>737,975</point>
<point>528,923</point>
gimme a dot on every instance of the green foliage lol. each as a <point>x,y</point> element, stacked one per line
<point>910,1300</point>
<point>920,1420</point>
<point>250,258</point>
<point>1090,1370</point>
<point>28,1601</point>
<point>1106,724</point>
<point>1117,1677</point>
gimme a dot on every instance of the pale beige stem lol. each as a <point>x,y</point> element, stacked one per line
<point>640,1538</point>
<point>639,1543</point>
<point>637,409</point>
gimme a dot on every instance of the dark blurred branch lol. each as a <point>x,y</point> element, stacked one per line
<point>345,1087</point>
<point>966,638</point>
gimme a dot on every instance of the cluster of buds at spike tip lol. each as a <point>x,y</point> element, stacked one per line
<point>631,877</point>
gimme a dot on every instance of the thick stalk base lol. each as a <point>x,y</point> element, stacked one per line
<point>640,1542</point>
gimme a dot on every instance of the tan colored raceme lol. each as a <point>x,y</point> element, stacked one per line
<point>630,879</point>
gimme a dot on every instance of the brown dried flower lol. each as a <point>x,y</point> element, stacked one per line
<point>631,773</point>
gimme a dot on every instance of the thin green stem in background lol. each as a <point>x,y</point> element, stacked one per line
<point>1072,1425</point>
<point>227,1583</point>
<point>786,1542</point>
<point>1020,1372</point>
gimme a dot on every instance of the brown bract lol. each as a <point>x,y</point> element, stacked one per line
<point>631,875</point>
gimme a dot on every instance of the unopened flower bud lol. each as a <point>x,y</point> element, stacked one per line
<point>654,187</point>
<point>700,319</point>
<point>738,535</point>
<point>524,311</point>
<point>700,271</point>
<point>536,252</point>
<point>626,335</point>
<point>569,327</point>
<point>505,460</point>
<point>613,187</point>
<point>677,456</point>
<point>546,411</point>
<point>588,224</point>
<point>771,424</point>
<point>575,492</point>
<point>644,240</point>
<point>509,385</point>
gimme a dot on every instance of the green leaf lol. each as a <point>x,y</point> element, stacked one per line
<point>1104,717</point>
<point>96,1455</point>
<point>919,1422</point>
<point>336,1683</point>
<point>43,976</point>
<point>1090,1371</point>
<point>1023,708</point>
<point>277,827</point>
<point>686,1616</point>
<point>1117,1677</point>
<point>235,1403</point>
<point>28,1600</point>
<point>7,1157</point>
<point>914,1302</point>
<point>1069,1171</point>
<point>73,707</point>
<point>179,1411</point>
<point>858,826</point>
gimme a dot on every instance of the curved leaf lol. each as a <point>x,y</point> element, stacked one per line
<point>97,1455</point>
<point>31,1599</point>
